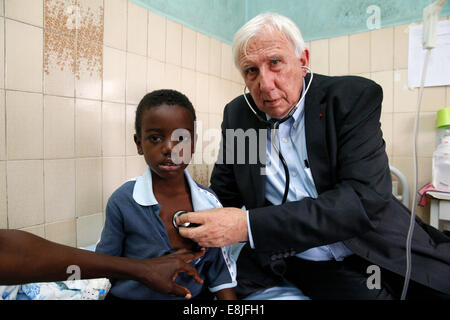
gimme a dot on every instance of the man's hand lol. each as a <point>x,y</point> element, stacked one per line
<point>159,273</point>
<point>218,227</point>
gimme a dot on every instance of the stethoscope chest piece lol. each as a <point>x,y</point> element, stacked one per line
<point>186,224</point>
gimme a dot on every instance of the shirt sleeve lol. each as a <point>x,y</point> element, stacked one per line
<point>221,273</point>
<point>113,235</point>
<point>249,230</point>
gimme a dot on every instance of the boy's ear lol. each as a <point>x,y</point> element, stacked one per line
<point>138,142</point>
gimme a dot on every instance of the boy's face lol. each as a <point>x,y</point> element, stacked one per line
<point>166,140</point>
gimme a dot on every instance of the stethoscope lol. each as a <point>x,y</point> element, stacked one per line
<point>274,124</point>
<point>186,224</point>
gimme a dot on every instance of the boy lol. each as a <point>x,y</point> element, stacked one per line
<point>139,214</point>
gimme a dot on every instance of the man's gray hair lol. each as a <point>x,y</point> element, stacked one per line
<point>268,22</point>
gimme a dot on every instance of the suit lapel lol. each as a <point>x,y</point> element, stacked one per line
<point>315,130</point>
<point>258,180</point>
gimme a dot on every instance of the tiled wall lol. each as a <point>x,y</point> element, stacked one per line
<point>71,75</point>
<point>382,55</point>
<point>73,71</point>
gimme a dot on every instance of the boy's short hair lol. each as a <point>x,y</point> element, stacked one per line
<point>159,97</point>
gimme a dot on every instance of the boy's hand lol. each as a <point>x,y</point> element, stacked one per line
<point>159,273</point>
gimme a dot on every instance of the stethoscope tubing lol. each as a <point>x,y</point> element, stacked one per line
<point>274,126</point>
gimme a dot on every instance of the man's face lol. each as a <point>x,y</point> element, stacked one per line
<point>273,73</point>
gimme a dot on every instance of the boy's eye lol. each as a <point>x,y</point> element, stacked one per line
<point>155,139</point>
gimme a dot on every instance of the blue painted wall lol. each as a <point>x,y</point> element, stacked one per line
<point>219,19</point>
<point>317,19</point>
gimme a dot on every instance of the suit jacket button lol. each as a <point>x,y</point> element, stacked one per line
<point>273,257</point>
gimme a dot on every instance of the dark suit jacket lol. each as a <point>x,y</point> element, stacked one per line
<point>355,205</point>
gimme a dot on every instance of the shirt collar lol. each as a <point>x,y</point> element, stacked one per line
<point>143,192</point>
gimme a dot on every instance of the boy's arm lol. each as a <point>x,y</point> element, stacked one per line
<point>26,258</point>
<point>226,294</point>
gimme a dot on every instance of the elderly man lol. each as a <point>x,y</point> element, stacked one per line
<point>321,215</point>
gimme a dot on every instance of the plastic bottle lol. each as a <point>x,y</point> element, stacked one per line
<point>443,125</point>
<point>442,132</point>
<point>441,165</point>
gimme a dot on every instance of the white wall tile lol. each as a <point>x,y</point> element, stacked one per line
<point>227,62</point>
<point>114,175</point>
<point>113,129</point>
<point>88,128</point>
<point>59,187</point>
<point>25,181</point>
<point>38,230</point>
<point>130,146</point>
<point>202,53</point>
<point>89,229</point>
<point>338,59</point>
<point>3,207</point>
<point>386,80</point>
<point>382,49</point>
<point>401,42</point>
<point>24,114</point>
<point>319,56</point>
<point>2,126</point>
<point>155,75</point>
<point>29,11</point>
<point>172,77</point>
<point>114,74</point>
<point>89,197</point>
<point>24,56</point>
<point>359,53</point>
<point>215,95</point>
<point>62,232</point>
<point>115,24</point>
<point>189,84</point>
<point>136,84</point>
<point>136,166</point>
<point>156,36</point>
<point>188,50</point>
<point>59,127</point>
<point>2,52</point>
<point>405,98</point>
<point>173,43</point>
<point>137,29</point>
<point>215,57</point>
<point>202,92</point>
